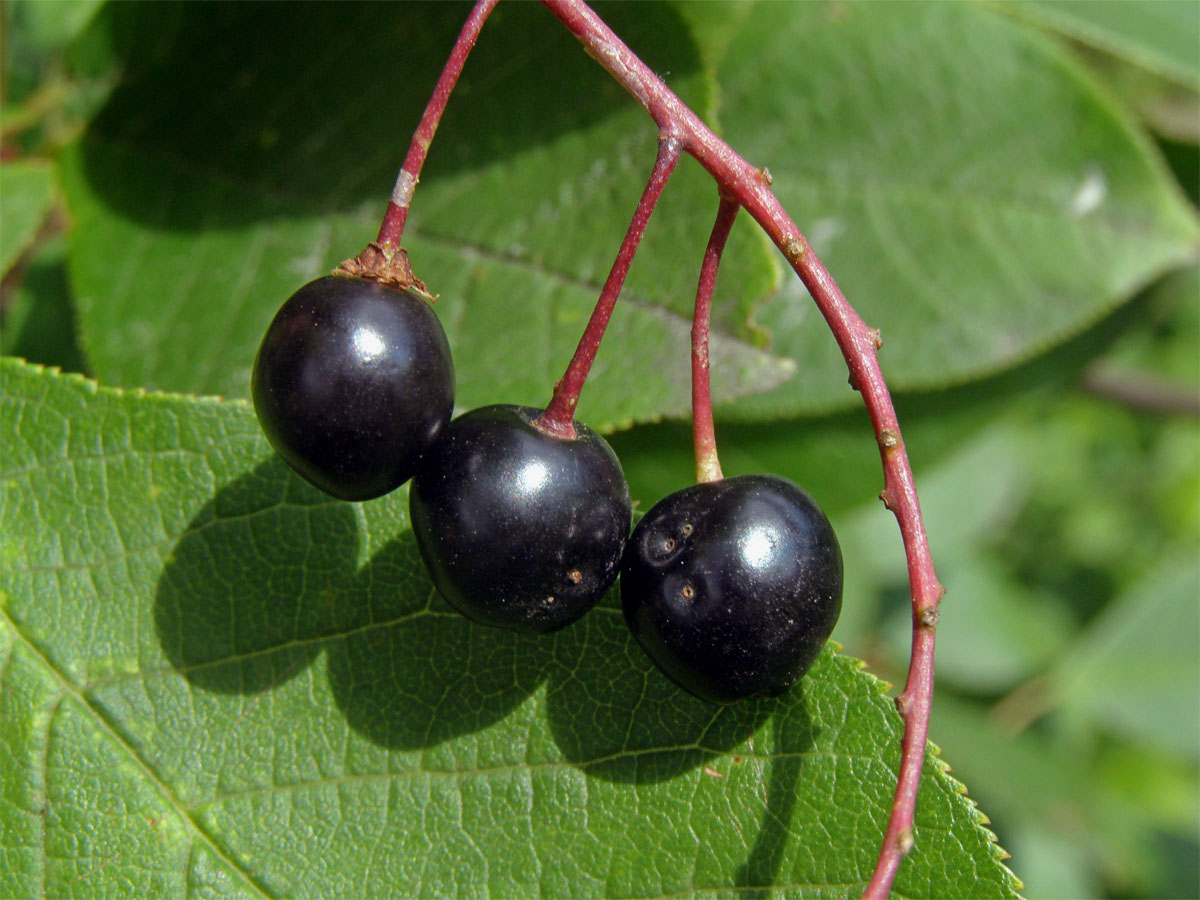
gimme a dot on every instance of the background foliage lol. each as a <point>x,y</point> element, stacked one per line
<point>215,681</point>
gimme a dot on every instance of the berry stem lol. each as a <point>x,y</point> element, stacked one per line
<point>396,215</point>
<point>558,419</point>
<point>859,344</point>
<point>708,466</point>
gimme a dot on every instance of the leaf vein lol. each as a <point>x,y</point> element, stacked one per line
<point>68,689</point>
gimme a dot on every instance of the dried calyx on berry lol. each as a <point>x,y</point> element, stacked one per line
<point>352,384</point>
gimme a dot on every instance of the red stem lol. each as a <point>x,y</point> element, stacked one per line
<point>558,419</point>
<point>410,173</point>
<point>859,344</point>
<point>708,466</point>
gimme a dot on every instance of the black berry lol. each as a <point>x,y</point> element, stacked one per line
<point>733,587</point>
<point>352,385</point>
<point>520,529</point>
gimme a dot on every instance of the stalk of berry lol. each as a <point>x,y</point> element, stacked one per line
<point>733,585</point>
<point>353,382</point>
<point>523,515</point>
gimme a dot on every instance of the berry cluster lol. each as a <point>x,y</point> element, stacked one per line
<point>731,587</point>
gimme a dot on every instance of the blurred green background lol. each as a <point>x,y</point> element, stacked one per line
<point>1061,493</point>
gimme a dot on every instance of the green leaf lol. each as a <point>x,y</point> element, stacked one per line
<point>971,190</point>
<point>1157,34</point>
<point>1161,786</point>
<point>28,190</point>
<point>1028,781</point>
<point>39,320</point>
<point>216,680</point>
<point>1100,807</point>
<point>1167,348</point>
<point>1135,670</point>
<point>835,456</point>
<point>1145,55</point>
<point>200,209</point>
<point>48,27</point>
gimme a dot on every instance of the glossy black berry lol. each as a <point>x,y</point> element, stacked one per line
<point>520,529</point>
<point>733,587</point>
<point>352,385</point>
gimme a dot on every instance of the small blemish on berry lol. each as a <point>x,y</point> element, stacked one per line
<point>688,592</point>
<point>686,530</point>
<point>575,576</point>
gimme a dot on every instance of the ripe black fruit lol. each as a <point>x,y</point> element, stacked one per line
<point>733,587</point>
<point>352,385</point>
<point>520,529</point>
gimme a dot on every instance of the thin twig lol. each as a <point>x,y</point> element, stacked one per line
<point>704,438</point>
<point>859,344</point>
<point>394,219</point>
<point>559,417</point>
<point>1141,392</point>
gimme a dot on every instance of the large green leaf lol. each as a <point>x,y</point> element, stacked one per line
<point>836,457</point>
<point>1146,54</point>
<point>975,195</point>
<point>1157,34</point>
<point>217,681</point>
<point>971,189</point>
<point>201,208</point>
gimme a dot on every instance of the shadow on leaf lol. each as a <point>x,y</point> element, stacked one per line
<point>263,578</point>
<point>346,83</point>
<point>262,572</point>
<point>617,717</point>
<point>423,674</point>
<point>793,735</point>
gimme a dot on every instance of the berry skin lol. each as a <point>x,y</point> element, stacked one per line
<point>352,385</point>
<point>520,529</point>
<point>732,587</point>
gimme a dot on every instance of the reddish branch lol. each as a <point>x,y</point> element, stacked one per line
<point>708,466</point>
<point>1141,391</point>
<point>859,344</point>
<point>559,416</point>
